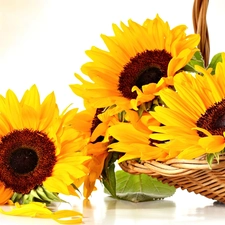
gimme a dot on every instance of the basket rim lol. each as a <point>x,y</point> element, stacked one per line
<point>172,167</point>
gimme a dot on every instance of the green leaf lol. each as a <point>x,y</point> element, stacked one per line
<point>139,188</point>
<point>215,59</point>
<point>108,173</point>
<point>109,180</point>
<point>197,59</point>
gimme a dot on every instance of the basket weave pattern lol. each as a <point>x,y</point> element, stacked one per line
<point>192,175</point>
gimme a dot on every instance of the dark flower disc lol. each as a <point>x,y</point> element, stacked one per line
<point>213,120</point>
<point>27,158</point>
<point>145,68</point>
<point>95,122</point>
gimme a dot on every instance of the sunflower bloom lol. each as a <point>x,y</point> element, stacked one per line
<point>98,151</point>
<point>194,120</point>
<point>37,146</point>
<point>93,124</point>
<point>140,61</point>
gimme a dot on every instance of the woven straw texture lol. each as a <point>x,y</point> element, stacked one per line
<point>192,175</point>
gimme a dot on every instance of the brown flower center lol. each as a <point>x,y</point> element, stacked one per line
<point>145,68</point>
<point>213,120</point>
<point>95,122</point>
<point>27,158</point>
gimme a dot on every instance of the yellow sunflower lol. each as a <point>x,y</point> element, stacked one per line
<point>141,60</point>
<point>38,148</point>
<point>98,152</point>
<point>93,124</point>
<point>194,120</point>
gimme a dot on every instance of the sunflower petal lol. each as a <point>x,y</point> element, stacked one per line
<point>39,210</point>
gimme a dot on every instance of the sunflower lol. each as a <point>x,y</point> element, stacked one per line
<point>194,121</point>
<point>38,148</point>
<point>93,124</point>
<point>140,61</point>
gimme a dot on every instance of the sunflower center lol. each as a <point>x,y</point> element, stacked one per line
<point>213,120</point>
<point>145,68</point>
<point>150,75</point>
<point>23,160</point>
<point>27,159</point>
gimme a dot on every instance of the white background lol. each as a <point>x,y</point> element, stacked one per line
<point>43,42</point>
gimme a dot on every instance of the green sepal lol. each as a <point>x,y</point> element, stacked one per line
<point>121,116</point>
<point>141,110</point>
<point>16,197</point>
<point>210,158</point>
<point>215,59</point>
<point>76,188</point>
<point>40,194</point>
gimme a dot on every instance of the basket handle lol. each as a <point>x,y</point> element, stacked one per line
<point>200,27</point>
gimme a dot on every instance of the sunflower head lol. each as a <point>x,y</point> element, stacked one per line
<point>27,158</point>
<point>139,61</point>
<point>93,125</point>
<point>38,148</point>
<point>193,121</point>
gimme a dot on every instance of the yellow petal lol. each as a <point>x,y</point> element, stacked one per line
<point>39,210</point>
<point>192,152</point>
<point>5,194</point>
<point>213,143</point>
<point>31,98</point>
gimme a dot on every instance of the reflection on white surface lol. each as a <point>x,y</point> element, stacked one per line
<point>100,209</point>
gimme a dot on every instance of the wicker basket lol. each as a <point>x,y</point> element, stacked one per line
<point>192,175</point>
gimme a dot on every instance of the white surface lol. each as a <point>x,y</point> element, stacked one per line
<point>182,208</point>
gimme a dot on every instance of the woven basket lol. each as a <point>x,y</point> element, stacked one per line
<point>192,175</point>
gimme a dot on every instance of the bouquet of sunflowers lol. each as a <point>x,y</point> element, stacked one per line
<point>153,101</point>
<point>150,100</point>
<point>123,90</point>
